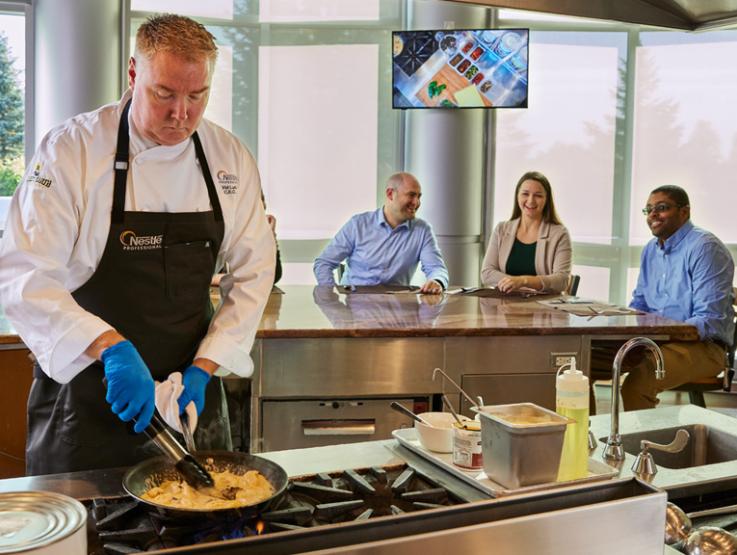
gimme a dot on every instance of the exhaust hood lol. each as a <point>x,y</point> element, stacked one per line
<point>687,15</point>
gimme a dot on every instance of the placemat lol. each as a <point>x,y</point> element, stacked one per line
<point>582,307</point>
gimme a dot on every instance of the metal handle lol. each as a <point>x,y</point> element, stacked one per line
<point>458,387</point>
<point>404,410</point>
<point>645,464</point>
<point>163,439</point>
<point>187,432</point>
<point>713,512</point>
<point>675,446</point>
<point>592,438</point>
<point>159,434</point>
<point>339,427</point>
<point>448,404</point>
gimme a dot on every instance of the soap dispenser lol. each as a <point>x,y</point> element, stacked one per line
<point>572,401</point>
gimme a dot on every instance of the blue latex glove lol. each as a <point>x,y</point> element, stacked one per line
<point>130,387</point>
<point>195,381</point>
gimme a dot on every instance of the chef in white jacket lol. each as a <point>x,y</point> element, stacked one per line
<point>111,241</point>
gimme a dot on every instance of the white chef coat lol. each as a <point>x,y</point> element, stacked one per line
<point>58,225</point>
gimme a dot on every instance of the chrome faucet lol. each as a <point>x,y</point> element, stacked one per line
<point>614,450</point>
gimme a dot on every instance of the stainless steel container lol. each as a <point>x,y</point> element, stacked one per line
<point>521,443</point>
<point>42,523</point>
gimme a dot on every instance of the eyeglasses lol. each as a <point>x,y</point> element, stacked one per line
<point>661,207</point>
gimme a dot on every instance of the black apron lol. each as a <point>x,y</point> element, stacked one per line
<point>152,285</point>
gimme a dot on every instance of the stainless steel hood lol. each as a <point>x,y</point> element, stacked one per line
<point>689,15</point>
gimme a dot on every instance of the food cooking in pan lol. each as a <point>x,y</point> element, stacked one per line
<point>231,491</point>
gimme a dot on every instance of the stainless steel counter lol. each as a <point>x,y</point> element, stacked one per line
<point>569,520</point>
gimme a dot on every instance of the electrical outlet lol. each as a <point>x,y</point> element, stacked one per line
<point>559,359</point>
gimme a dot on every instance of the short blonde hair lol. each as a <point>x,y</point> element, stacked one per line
<point>175,34</point>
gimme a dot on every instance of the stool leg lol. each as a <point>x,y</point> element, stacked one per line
<point>696,398</point>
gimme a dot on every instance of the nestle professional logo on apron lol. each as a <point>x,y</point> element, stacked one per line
<point>228,182</point>
<point>133,242</point>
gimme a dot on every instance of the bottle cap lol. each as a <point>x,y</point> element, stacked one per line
<point>570,378</point>
<point>571,370</point>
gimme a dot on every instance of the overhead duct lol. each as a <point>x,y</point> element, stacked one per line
<point>687,15</point>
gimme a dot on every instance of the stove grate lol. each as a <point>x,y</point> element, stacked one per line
<point>122,526</point>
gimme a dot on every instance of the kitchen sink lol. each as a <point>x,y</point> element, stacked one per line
<point>706,445</point>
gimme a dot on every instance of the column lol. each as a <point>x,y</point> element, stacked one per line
<point>446,151</point>
<point>77,58</point>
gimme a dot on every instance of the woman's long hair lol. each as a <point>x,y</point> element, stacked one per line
<point>549,214</point>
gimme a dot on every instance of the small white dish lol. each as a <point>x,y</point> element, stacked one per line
<point>438,436</point>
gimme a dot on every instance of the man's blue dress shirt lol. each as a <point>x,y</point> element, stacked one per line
<point>688,279</point>
<point>379,255</point>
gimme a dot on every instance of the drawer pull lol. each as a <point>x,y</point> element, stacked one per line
<point>339,427</point>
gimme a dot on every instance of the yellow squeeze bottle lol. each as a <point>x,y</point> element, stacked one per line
<point>572,400</point>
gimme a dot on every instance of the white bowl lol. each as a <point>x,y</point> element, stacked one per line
<point>438,436</point>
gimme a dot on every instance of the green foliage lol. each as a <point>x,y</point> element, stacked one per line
<point>9,180</point>
<point>11,109</point>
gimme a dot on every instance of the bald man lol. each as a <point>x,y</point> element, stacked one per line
<point>384,246</point>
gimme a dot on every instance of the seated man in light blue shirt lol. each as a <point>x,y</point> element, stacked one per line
<point>383,247</point>
<point>686,274</point>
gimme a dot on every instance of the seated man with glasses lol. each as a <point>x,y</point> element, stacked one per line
<point>686,274</point>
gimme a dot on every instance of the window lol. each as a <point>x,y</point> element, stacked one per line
<point>615,112</point>
<point>12,105</point>
<point>684,126</point>
<point>569,133</point>
<point>304,86</point>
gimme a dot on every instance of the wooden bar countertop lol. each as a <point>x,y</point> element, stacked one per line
<point>302,311</point>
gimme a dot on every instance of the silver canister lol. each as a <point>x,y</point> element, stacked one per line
<point>42,523</point>
<point>467,448</point>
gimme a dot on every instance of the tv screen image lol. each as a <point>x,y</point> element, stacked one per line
<point>482,68</point>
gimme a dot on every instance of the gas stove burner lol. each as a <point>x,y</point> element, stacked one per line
<point>125,526</point>
<point>357,495</point>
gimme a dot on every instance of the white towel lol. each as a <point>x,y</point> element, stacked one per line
<point>167,397</point>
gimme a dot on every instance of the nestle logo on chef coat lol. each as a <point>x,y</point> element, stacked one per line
<point>35,177</point>
<point>133,242</point>
<point>228,182</point>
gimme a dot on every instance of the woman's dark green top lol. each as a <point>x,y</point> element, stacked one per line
<point>521,261</point>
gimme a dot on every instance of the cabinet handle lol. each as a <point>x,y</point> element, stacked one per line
<point>339,427</point>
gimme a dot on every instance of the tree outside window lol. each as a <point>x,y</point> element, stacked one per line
<point>11,122</point>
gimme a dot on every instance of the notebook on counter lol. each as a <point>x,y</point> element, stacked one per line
<point>496,293</point>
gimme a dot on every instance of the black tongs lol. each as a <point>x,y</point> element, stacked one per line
<point>191,470</point>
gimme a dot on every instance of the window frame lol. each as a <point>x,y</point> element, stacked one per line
<point>25,7</point>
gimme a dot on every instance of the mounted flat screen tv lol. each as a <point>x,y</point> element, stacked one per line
<point>481,68</point>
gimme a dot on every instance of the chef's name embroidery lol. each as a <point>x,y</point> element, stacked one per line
<point>228,182</point>
<point>133,242</point>
<point>35,177</point>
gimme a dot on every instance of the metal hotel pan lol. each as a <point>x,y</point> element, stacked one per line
<point>151,472</point>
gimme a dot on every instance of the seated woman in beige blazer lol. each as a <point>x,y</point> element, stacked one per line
<point>533,249</point>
